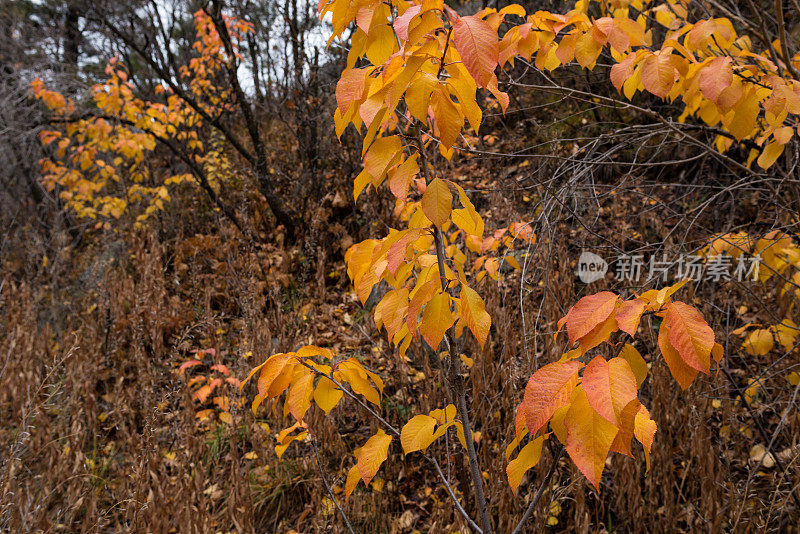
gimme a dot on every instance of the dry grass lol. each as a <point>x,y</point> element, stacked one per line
<point>99,431</point>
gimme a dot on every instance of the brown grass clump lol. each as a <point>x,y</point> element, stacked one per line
<point>101,431</point>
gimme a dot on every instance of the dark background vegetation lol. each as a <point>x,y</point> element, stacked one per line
<point>98,430</point>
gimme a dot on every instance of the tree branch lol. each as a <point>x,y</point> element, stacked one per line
<point>540,491</point>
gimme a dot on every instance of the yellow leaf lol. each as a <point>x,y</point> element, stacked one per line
<point>527,458</point>
<point>417,433</point>
<point>770,154</point>
<point>380,155</point>
<point>353,477</point>
<point>759,342</point>
<point>467,218</point>
<point>644,429</point>
<point>637,363</point>
<point>589,438</point>
<point>436,319</point>
<point>473,311</point>
<point>449,119</point>
<point>327,395</point>
<point>352,372</point>
<point>587,50</point>
<point>300,393</point>
<point>437,202</point>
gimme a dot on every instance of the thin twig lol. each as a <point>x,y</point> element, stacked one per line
<point>540,491</point>
<point>392,429</point>
<point>328,487</point>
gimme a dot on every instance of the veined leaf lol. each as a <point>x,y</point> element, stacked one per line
<point>629,314</point>
<point>417,433</point>
<point>436,319</point>
<point>682,373</point>
<point>588,313</point>
<point>549,388</point>
<point>372,455</point>
<point>637,363</point>
<point>437,202</point>
<point>609,386</point>
<point>473,311</point>
<point>644,429</point>
<point>478,46</point>
<point>298,399</point>
<point>658,73</point>
<point>690,335</point>
<point>589,438</point>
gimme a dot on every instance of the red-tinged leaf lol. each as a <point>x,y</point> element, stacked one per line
<point>622,441</point>
<point>402,22</point>
<point>436,319</point>
<point>501,97</point>
<point>629,314</point>
<point>623,70</point>
<point>233,381</point>
<point>715,77</point>
<point>588,313</point>
<point>690,335</point>
<point>401,177</point>
<point>350,88</point>
<point>598,335</point>
<point>437,202</point>
<point>372,455</point>
<point>473,311</point>
<point>188,364</point>
<point>566,48</point>
<point>478,46</point>
<point>589,438</point>
<point>221,369</point>
<point>271,369</point>
<point>549,388</point>
<point>397,251</point>
<point>609,387</point>
<point>203,393</point>
<point>682,373</point>
<point>282,381</point>
<point>658,73</point>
